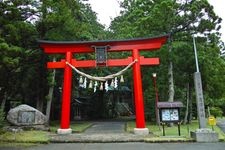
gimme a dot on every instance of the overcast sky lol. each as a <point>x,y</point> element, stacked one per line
<point>219,10</point>
<point>108,9</point>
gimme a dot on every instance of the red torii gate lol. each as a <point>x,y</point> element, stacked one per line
<point>68,48</point>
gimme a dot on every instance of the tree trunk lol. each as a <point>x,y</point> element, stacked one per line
<point>208,110</point>
<point>171,84</point>
<point>4,101</point>
<point>170,77</point>
<point>50,95</point>
<point>187,105</point>
<point>39,104</point>
<point>190,103</point>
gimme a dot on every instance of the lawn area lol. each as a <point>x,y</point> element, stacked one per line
<point>25,137</point>
<point>33,137</point>
<point>17,145</point>
<point>77,127</point>
<point>173,131</point>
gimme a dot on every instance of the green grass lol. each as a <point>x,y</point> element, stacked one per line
<point>77,127</point>
<point>32,138</point>
<point>173,131</point>
<point>17,145</point>
<point>25,137</point>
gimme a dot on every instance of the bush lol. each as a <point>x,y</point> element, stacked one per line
<point>216,111</point>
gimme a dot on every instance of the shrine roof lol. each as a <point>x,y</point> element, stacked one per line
<point>105,41</point>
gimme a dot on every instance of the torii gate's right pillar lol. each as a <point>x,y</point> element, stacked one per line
<point>138,96</point>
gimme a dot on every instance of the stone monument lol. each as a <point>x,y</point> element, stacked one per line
<point>202,134</point>
<point>26,116</point>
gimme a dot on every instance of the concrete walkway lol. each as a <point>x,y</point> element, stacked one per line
<point>97,138</point>
<point>110,132</point>
<point>106,127</point>
<point>100,132</point>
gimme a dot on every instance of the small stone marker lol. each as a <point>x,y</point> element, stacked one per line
<point>24,115</point>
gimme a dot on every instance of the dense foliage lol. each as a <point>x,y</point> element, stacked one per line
<point>182,20</point>
<point>25,79</point>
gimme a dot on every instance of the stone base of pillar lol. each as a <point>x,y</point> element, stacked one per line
<point>64,131</point>
<point>205,135</point>
<point>141,131</point>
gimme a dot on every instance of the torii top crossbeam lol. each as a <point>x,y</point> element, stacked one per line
<point>62,47</point>
<point>115,45</point>
<point>68,48</point>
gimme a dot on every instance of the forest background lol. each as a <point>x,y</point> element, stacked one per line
<point>24,78</point>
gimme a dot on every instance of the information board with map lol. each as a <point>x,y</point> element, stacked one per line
<point>169,115</point>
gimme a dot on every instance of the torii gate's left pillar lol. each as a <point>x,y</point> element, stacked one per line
<point>65,110</point>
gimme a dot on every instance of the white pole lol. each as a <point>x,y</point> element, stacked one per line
<point>196,55</point>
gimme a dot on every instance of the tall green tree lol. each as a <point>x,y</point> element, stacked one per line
<point>66,20</point>
<point>18,38</point>
<point>180,19</point>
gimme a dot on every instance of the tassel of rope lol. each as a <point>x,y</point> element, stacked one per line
<point>102,79</point>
